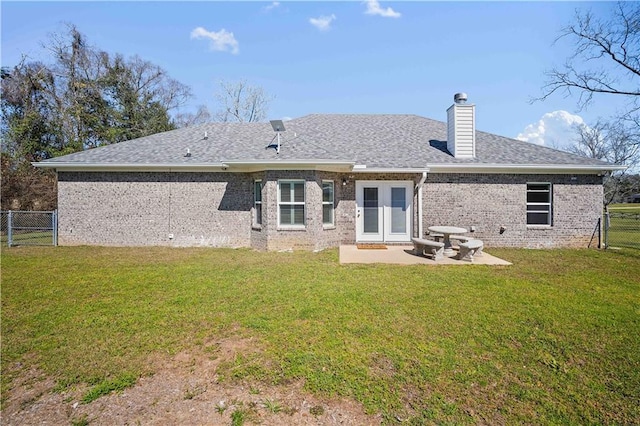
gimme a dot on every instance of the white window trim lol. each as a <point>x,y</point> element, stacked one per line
<point>257,224</point>
<point>549,223</point>
<point>292,202</point>
<point>332,203</point>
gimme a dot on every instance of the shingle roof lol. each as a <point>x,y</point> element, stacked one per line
<point>378,141</point>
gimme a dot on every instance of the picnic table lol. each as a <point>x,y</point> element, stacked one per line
<point>447,231</point>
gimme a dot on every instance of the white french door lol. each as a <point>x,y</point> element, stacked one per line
<point>383,211</point>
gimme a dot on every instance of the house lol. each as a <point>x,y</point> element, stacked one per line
<point>323,180</point>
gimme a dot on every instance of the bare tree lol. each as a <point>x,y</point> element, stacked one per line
<point>186,119</point>
<point>606,59</point>
<point>242,102</point>
<point>607,140</point>
<point>616,142</point>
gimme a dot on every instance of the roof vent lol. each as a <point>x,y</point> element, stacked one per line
<point>206,136</point>
<point>460,98</point>
<point>278,127</point>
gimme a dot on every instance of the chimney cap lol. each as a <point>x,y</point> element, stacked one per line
<point>460,98</point>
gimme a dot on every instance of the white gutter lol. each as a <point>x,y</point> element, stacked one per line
<point>524,168</point>
<point>331,165</point>
<point>358,168</point>
<point>259,165</point>
<point>328,165</point>
<point>419,187</point>
<point>130,167</point>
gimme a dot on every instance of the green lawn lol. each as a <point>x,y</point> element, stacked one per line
<point>625,226</point>
<point>35,238</point>
<point>555,338</point>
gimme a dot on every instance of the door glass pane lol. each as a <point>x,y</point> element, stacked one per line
<point>398,210</point>
<point>370,210</point>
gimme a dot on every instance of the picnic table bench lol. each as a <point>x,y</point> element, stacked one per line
<point>461,238</point>
<point>424,247</point>
<point>469,249</point>
<point>437,236</point>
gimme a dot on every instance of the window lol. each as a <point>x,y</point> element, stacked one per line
<point>291,203</point>
<point>539,204</point>
<point>327,202</point>
<point>257,203</point>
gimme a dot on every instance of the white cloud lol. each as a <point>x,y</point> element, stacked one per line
<point>272,6</point>
<point>555,129</point>
<point>373,8</point>
<point>222,40</point>
<point>323,23</point>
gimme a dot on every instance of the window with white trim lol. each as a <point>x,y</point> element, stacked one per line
<point>539,204</point>
<point>257,202</point>
<point>291,203</point>
<point>327,202</point>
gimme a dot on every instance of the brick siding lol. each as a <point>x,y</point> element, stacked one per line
<point>216,209</point>
<point>140,209</point>
<point>490,202</point>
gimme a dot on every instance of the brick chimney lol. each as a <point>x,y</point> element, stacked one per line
<point>461,127</point>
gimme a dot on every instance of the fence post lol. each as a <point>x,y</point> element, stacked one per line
<point>54,224</point>
<point>600,232</point>
<point>607,224</point>
<point>10,228</point>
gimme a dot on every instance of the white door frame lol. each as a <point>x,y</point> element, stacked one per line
<point>384,211</point>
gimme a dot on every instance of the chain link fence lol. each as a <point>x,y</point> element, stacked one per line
<point>29,228</point>
<point>622,229</point>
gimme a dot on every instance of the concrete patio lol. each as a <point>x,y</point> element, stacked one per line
<point>403,255</point>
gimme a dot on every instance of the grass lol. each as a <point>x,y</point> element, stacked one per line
<point>238,417</point>
<point>626,207</point>
<point>107,386</point>
<point>555,338</point>
<point>625,227</point>
<point>38,238</point>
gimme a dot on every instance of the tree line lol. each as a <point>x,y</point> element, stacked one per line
<point>86,97</point>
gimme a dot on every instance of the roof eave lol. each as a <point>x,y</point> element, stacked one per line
<point>234,166</point>
<point>526,168</point>
<point>361,168</point>
<point>259,165</point>
<point>130,167</point>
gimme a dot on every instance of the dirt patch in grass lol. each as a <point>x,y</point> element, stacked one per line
<point>185,389</point>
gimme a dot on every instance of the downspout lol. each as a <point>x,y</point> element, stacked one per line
<point>419,188</point>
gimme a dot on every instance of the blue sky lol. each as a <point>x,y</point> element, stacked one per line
<point>339,57</point>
